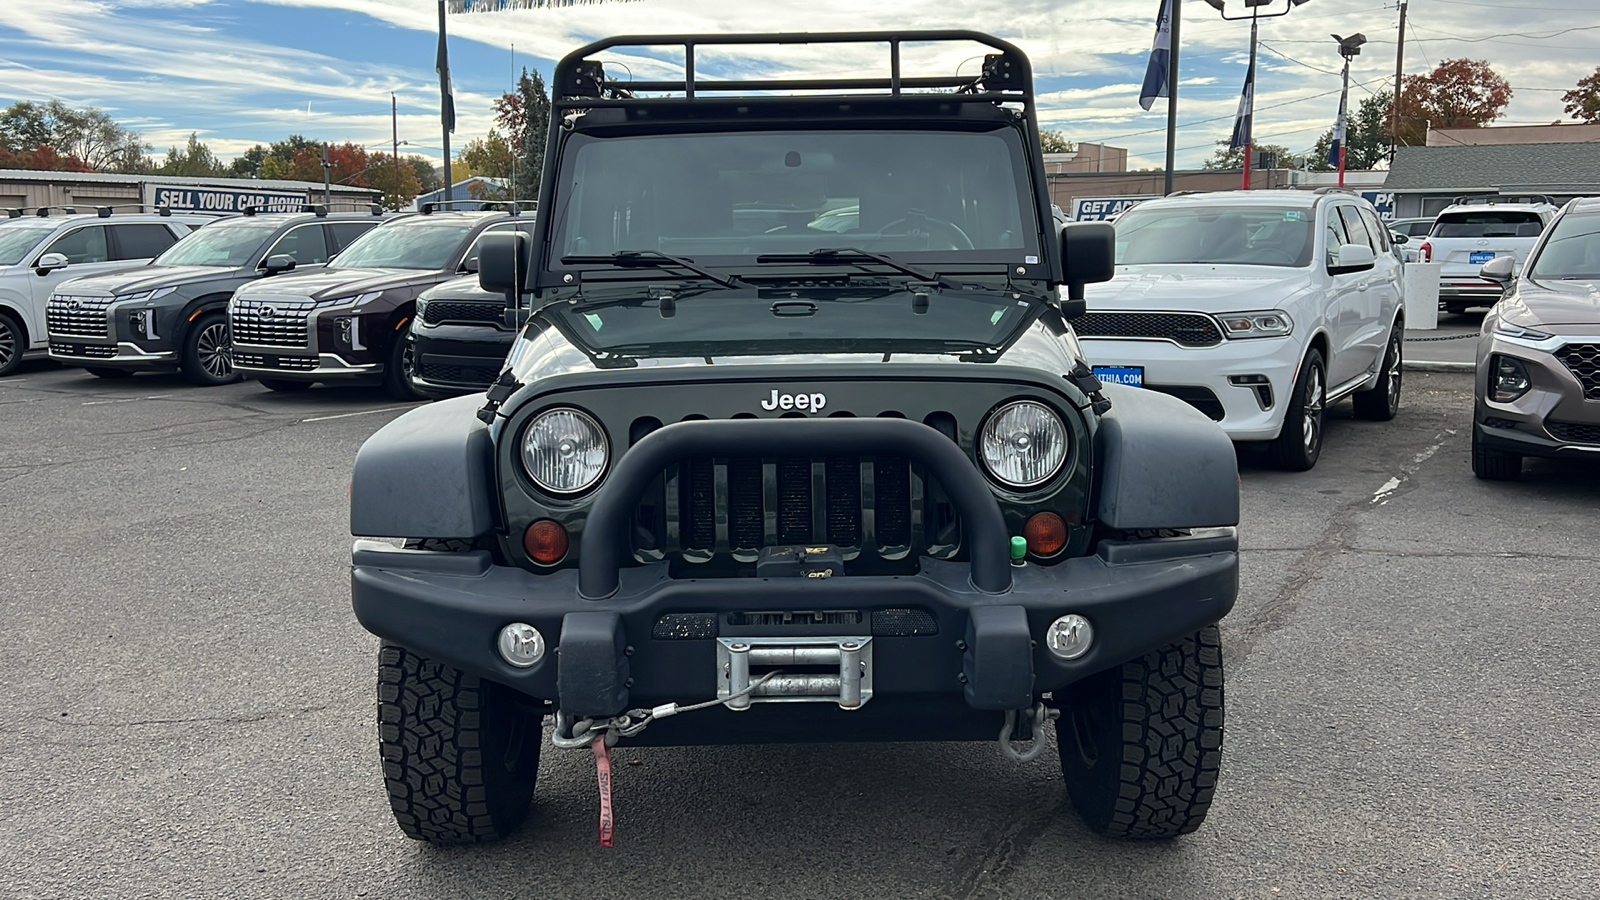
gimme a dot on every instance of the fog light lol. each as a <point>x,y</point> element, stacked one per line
<point>521,644</point>
<point>1508,379</point>
<point>1069,637</point>
<point>546,541</point>
<point>1046,534</point>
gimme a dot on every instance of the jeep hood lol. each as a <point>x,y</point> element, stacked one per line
<point>328,284</point>
<point>138,279</point>
<point>1197,288</point>
<point>1543,302</point>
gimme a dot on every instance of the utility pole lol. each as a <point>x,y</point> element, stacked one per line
<point>447,111</point>
<point>1399,65</point>
<point>394,126</point>
<point>327,188</point>
<point>1343,129</point>
<point>1172,96</point>
<point>1250,119</point>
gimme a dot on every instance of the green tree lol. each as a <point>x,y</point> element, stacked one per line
<point>195,160</point>
<point>395,177</point>
<point>1233,158</point>
<point>428,177</point>
<point>528,123</point>
<point>248,163</point>
<point>88,135</point>
<point>275,168</point>
<point>1583,101</point>
<point>1055,142</point>
<point>1366,136</point>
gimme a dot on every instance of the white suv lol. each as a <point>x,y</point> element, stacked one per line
<point>1468,234</point>
<point>1259,308</point>
<point>38,252</point>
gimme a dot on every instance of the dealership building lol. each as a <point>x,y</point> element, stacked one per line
<point>30,190</point>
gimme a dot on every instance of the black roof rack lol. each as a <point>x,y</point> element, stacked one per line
<point>1331,189</point>
<point>581,83</point>
<point>514,207</point>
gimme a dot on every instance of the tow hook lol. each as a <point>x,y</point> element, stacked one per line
<point>1024,725</point>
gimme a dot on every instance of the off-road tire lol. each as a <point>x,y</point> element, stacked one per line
<point>397,370</point>
<point>1381,402</point>
<point>460,754</point>
<point>12,344</point>
<point>1141,743</point>
<point>205,358</point>
<point>284,385</point>
<point>1293,450</point>
<point>1494,465</point>
<point>108,372</point>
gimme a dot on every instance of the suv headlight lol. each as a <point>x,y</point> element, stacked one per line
<point>1023,444</point>
<point>1259,324</point>
<point>564,451</point>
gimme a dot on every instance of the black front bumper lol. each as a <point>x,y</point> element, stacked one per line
<point>1138,596</point>
<point>458,359</point>
<point>1510,440</point>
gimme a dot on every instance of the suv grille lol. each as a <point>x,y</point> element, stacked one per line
<point>271,323</point>
<point>264,361</point>
<point>1584,361</point>
<point>470,376</point>
<point>78,316</point>
<point>463,311</point>
<point>1183,329</point>
<point>88,351</point>
<point>1571,433</point>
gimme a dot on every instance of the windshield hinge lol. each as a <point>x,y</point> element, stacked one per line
<point>498,393</point>
<point>1083,378</point>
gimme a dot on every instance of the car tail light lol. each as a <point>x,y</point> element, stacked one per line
<point>546,542</point>
<point>1046,534</point>
<point>1425,252</point>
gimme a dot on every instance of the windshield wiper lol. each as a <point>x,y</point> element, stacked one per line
<point>845,254</point>
<point>653,258</point>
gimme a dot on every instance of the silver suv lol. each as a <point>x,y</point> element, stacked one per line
<point>1468,234</point>
<point>40,250</point>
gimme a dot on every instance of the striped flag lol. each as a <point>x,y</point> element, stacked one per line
<point>1155,74</point>
<point>1241,120</point>
<point>1336,149</point>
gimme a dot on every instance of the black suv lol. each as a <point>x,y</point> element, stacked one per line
<point>172,313</point>
<point>761,470</point>
<point>347,322</point>
<point>459,338</point>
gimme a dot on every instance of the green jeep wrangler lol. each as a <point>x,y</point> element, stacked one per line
<point>797,444</point>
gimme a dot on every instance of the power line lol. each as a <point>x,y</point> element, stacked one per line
<point>1118,137</point>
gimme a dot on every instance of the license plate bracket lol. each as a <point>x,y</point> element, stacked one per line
<point>1132,376</point>
<point>1478,257</point>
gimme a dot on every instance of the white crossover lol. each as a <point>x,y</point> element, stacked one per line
<point>1258,308</point>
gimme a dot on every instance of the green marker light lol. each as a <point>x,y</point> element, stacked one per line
<point>1019,549</point>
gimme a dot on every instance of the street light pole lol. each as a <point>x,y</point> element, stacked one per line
<point>1255,17</point>
<point>1344,97</point>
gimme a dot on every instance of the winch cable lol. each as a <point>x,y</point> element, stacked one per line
<point>584,731</point>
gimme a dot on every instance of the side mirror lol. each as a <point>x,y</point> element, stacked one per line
<point>278,262</point>
<point>470,265</point>
<point>49,263</point>
<point>1353,258</point>
<point>1396,237</point>
<point>1497,270</point>
<point>503,266</point>
<point>1088,256</point>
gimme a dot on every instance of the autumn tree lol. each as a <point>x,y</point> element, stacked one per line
<point>1458,93</point>
<point>394,177</point>
<point>89,135</point>
<point>1233,158</point>
<point>428,178</point>
<point>1056,142</point>
<point>1366,136</point>
<point>489,157</point>
<point>1583,101</point>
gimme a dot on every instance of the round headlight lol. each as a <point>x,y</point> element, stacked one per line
<point>1023,444</point>
<point>564,451</point>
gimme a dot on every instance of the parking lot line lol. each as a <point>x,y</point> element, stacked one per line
<point>364,412</point>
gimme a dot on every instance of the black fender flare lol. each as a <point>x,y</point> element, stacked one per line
<point>1161,463</point>
<point>427,474</point>
<point>196,308</point>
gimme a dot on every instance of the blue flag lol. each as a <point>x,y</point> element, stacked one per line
<point>1336,149</point>
<point>1241,120</point>
<point>1155,74</point>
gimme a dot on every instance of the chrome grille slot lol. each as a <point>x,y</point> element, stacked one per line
<point>73,315</point>
<point>271,323</point>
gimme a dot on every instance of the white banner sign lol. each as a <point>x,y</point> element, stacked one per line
<point>1098,209</point>
<point>197,198</point>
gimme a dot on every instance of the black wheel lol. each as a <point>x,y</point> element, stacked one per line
<point>460,754</point>
<point>12,344</point>
<point>207,357</point>
<point>284,386</point>
<point>1141,744</point>
<point>108,372</point>
<point>397,370</point>
<point>1382,401</point>
<point>1300,442</point>
<point>1494,465</point>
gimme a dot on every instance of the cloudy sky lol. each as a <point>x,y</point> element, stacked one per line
<point>240,72</point>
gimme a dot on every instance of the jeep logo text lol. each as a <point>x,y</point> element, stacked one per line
<point>813,402</point>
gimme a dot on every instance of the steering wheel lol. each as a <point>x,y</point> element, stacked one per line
<point>961,241</point>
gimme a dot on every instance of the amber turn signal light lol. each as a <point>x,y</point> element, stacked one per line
<point>1046,534</point>
<point>546,542</point>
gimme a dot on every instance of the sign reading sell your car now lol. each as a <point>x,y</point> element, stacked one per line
<point>1098,209</point>
<point>222,200</point>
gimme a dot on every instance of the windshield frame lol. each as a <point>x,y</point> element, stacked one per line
<point>1590,219</point>
<point>268,231</point>
<point>549,271</point>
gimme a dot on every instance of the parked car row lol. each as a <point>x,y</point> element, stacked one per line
<point>1467,234</point>
<point>290,298</point>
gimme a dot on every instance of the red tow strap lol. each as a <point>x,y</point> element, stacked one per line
<point>602,760</point>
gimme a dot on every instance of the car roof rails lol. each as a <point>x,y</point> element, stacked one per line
<point>317,209</point>
<point>429,207</point>
<point>1333,189</point>
<point>13,213</point>
<point>580,82</point>
<point>44,211</point>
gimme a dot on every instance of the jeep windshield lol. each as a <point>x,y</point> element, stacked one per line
<point>725,198</point>
<point>407,244</point>
<point>17,238</point>
<point>1239,235</point>
<point>229,243</point>
<point>749,322</point>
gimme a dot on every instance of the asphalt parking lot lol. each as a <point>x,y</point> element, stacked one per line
<point>1413,705</point>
